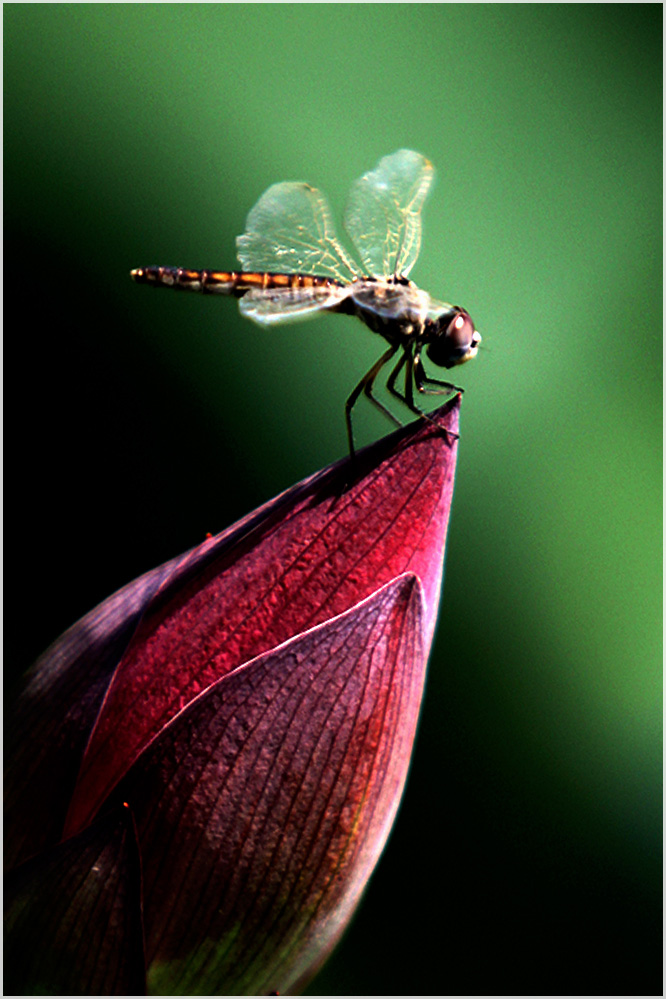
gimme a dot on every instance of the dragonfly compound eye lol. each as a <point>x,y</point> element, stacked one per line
<point>456,340</point>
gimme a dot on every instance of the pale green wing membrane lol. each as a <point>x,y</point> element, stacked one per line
<point>383,214</point>
<point>290,231</point>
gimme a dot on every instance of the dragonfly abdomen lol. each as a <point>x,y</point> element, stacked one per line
<point>235,283</point>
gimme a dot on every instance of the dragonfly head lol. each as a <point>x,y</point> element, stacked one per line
<point>452,339</point>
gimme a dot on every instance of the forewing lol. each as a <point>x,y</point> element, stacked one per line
<point>383,214</point>
<point>290,231</point>
<point>270,306</point>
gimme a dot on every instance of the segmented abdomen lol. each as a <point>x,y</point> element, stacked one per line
<point>225,282</point>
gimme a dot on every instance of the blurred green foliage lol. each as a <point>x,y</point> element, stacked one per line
<point>526,854</point>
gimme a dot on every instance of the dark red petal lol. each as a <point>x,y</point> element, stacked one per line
<point>73,921</point>
<point>307,556</point>
<point>49,727</point>
<point>263,808</point>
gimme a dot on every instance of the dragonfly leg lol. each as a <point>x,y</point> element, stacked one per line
<point>414,375</point>
<point>421,380</point>
<point>365,386</point>
<point>407,399</point>
<point>409,384</point>
<point>390,381</point>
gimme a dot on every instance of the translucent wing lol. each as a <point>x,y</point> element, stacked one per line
<point>383,214</point>
<point>437,309</point>
<point>290,231</point>
<point>270,306</point>
<point>392,300</point>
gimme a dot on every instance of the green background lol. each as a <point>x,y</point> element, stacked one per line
<point>525,858</point>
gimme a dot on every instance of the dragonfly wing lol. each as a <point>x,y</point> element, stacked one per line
<point>290,231</point>
<point>270,306</point>
<point>437,308</point>
<point>390,301</point>
<point>383,214</point>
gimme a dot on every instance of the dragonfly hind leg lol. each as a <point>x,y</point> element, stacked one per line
<point>365,386</point>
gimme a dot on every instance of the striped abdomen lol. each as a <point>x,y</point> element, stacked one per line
<point>225,282</point>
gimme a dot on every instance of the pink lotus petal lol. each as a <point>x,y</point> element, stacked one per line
<point>255,701</point>
<point>263,807</point>
<point>307,556</point>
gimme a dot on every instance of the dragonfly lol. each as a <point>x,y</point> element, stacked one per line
<point>294,266</point>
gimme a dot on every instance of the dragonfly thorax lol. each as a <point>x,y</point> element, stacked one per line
<point>452,338</point>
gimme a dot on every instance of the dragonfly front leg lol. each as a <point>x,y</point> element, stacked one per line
<point>365,386</point>
<point>421,380</point>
